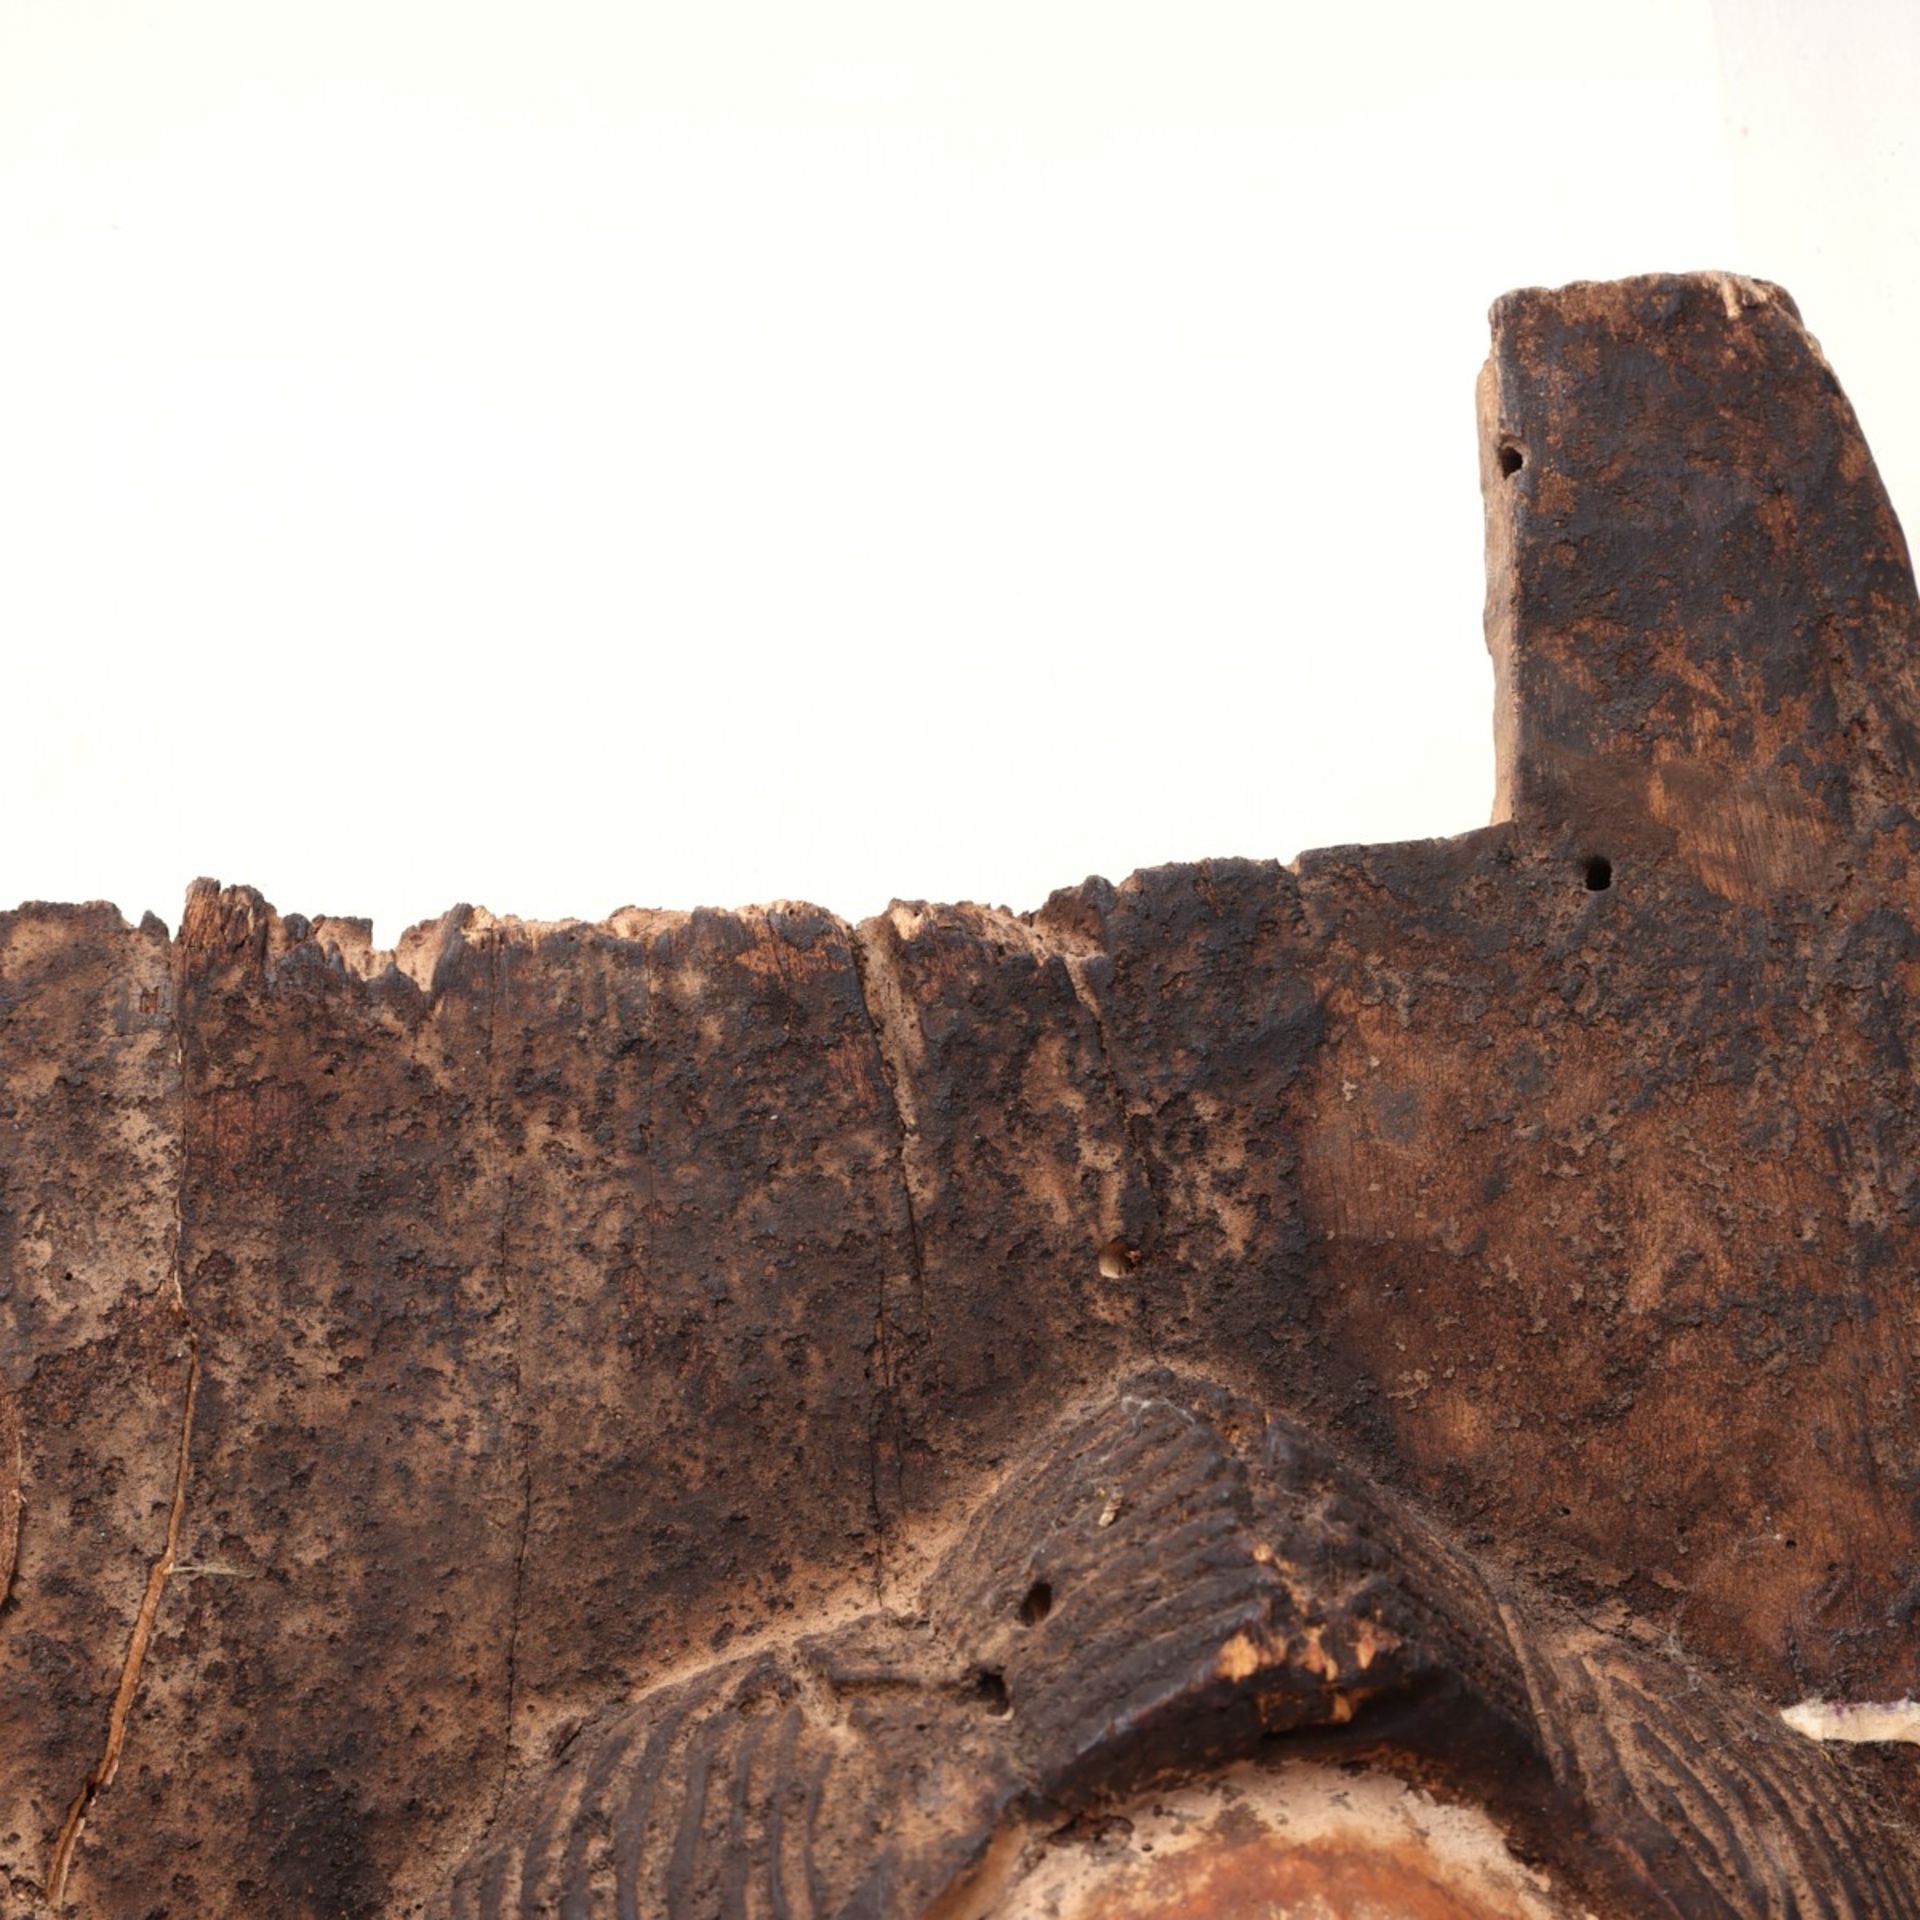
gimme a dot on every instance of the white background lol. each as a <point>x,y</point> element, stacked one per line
<point>568,455</point>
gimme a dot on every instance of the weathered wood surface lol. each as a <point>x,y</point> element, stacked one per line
<point>1164,1586</point>
<point>414,1364</point>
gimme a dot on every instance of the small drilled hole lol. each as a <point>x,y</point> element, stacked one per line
<point>1599,874</point>
<point>990,1687</point>
<point>1118,1258</point>
<point>1512,459</point>
<point>1037,1605</point>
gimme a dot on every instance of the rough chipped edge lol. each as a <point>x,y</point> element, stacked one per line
<point>347,939</point>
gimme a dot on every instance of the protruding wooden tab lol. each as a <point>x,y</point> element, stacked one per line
<point>1699,602</point>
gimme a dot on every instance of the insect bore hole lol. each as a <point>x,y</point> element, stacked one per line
<point>1599,873</point>
<point>990,1688</point>
<point>1512,459</point>
<point>1037,1605</point>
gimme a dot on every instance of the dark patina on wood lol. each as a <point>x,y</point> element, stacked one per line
<point>1164,1586</point>
<point>485,1420</point>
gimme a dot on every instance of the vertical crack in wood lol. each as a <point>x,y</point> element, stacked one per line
<point>525,1442</point>
<point>1135,1131</point>
<point>100,1776</point>
<point>12,1500</point>
<point>511,1299</point>
<point>891,1053</point>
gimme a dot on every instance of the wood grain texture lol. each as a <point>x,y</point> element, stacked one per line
<point>576,1312</point>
